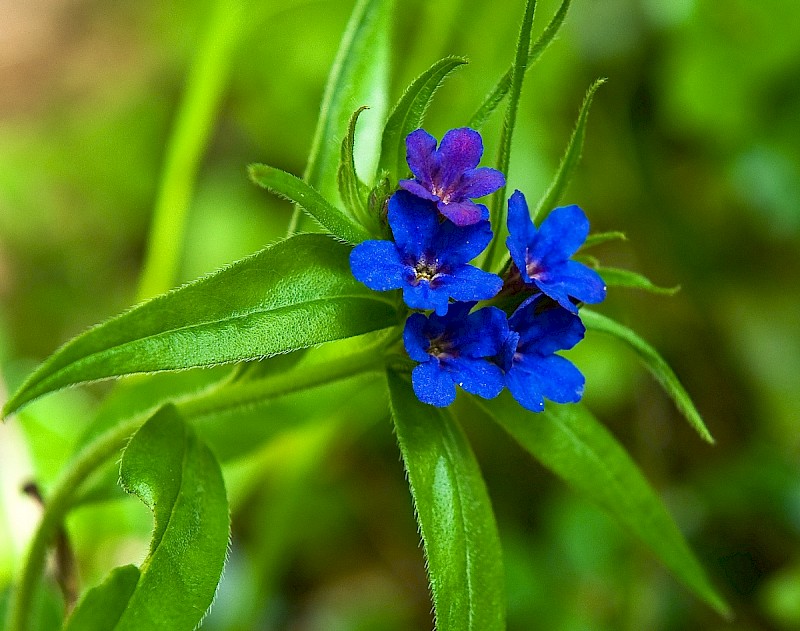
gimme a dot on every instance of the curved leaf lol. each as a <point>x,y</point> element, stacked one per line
<point>351,189</point>
<point>295,294</point>
<point>498,93</point>
<point>408,114</point>
<point>654,363</point>
<point>455,517</point>
<point>571,158</point>
<point>602,237</point>
<point>359,76</point>
<point>569,441</point>
<point>615,277</point>
<point>291,187</point>
<point>178,478</point>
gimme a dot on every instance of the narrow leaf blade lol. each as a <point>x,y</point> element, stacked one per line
<point>500,90</point>
<point>569,441</point>
<point>352,191</point>
<point>602,237</point>
<point>296,294</point>
<point>458,529</point>
<point>290,187</point>
<point>408,115</point>
<point>101,607</point>
<point>359,76</point>
<point>615,277</point>
<point>654,363</point>
<point>571,158</point>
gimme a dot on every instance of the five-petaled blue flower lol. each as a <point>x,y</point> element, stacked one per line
<point>456,349</point>
<point>542,256</point>
<point>449,175</point>
<point>539,328</point>
<point>428,259</point>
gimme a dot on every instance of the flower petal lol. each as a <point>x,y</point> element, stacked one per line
<point>521,232</point>
<point>561,234</point>
<point>574,279</point>
<point>467,282</point>
<point>524,390</point>
<point>377,264</point>
<point>460,244</point>
<point>460,149</point>
<point>432,384</point>
<point>414,223</point>
<point>483,333</point>
<point>543,332</point>
<point>480,182</point>
<point>415,337</point>
<point>464,213</point>
<point>424,296</point>
<point>554,377</point>
<point>420,155</point>
<point>415,188</point>
<point>477,376</point>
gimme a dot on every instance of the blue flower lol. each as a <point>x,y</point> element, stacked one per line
<point>542,256</point>
<point>539,328</point>
<point>455,349</point>
<point>448,175</point>
<point>428,259</point>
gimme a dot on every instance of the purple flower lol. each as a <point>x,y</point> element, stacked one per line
<point>539,328</point>
<point>455,349</point>
<point>448,175</point>
<point>542,256</point>
<point>428,260</point>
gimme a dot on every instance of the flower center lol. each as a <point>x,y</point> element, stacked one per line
<point>425,269</point>
<point>441,347</point>
<point>443,194</point>
<point>532,266</point>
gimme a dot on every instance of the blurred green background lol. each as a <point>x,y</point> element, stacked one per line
<point>693,150</point>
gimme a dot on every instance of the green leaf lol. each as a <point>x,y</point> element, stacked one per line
<point>180,481</point>
<point>296,294</point>
<point>498,202</point>
<point>359,76</point>
<point>102,607</point>
<point>654,363</point>
<point>351,189</point>
<point>498,93</point>
<point>571,157</point>
<point>615,277</point>
<point>455,517</point>
<point>409,113</point>
<point>290,187</point>
<point>602,237</point>
<point>569,441</point>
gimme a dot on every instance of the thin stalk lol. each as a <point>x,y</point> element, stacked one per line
<point>112,441</point>
<point>194,122</point>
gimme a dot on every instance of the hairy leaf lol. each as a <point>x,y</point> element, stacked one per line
<point>359,76</point>
<point>654,363</point>
<point>179,480</point>
<point>290,187</point>
<point>571,158</point>
<point>602,237</point>
<point>351,189</point>
<point>498,93</point>
<point>569,441</point>
<point>295,294</point>
<point>454,514</point>
<point>408,115</point>
<point>615,277</point>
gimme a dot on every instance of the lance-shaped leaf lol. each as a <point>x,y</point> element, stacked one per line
<point>571,158</point>
<point>654,363</point>
<point>602,237</point>
<point>569,441</point>
<point>178,478</point>
<point>291,187</point>
<point>615,277</point>
<point>455,517</point>
<point>295,294</point>
<point>359,76</point>
<point>352,190</point>
<point>498,93</point>
<point>408,115</point>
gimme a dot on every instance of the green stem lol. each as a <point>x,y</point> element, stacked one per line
<point>111,442</point>
<point>193,125</point>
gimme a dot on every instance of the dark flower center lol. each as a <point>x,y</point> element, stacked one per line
<point>441,347</point>
<point>425,269</point>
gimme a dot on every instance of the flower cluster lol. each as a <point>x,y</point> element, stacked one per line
<point>437,229</point>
